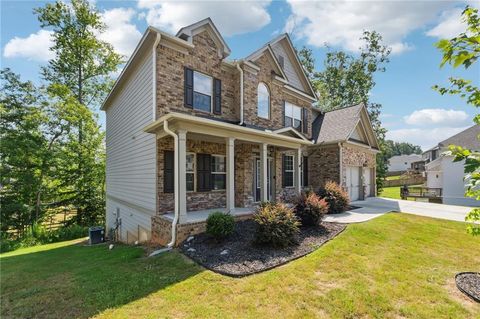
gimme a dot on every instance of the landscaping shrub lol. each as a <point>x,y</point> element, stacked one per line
<point>220,225</point>
<point>277,224</point>
<point>335,196</point>
<point>310,208</point>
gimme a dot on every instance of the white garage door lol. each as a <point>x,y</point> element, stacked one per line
<point>353,182</point>
<point>367,175</point>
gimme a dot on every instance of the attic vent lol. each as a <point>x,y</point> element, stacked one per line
<point>183,36</point>
<point>281,60</point>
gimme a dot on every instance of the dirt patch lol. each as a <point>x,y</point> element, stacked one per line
<point>469,284</point>
<point>239,256</point>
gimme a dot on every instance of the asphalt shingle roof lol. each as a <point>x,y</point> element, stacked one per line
<point>467,139</point>
<point>335,126</point>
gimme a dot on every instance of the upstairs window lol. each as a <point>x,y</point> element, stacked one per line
<point>263,101</point>
<point>202,92</point>
<point>293,116</point>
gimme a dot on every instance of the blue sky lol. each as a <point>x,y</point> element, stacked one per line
<point>412,111</point>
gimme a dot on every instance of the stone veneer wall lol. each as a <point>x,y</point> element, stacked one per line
<point>162,229</point>
<point>323,165</point>
<point>277,96</point>
<point>195,200</point>
<point>203,58</point>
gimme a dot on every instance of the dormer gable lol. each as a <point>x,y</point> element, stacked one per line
<point>286,58</point>
<point>188,32</point>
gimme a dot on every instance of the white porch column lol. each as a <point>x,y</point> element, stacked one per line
<point>263,172</point>
<point>230,169</point>
<point>182,175</point>
<point>298,165</point>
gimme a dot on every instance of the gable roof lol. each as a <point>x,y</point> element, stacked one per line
<point>339,125</point>
<point>296,61</point>
<point>186,33</point>
<point>467,139</point>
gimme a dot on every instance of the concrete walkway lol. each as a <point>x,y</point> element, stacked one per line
<point>377,206</point>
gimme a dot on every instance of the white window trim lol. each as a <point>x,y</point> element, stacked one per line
<point>292,106</point>
<point>194,172</point>
<point>269,102</point>
<point>220,173</point>
<point>291,170</point>
<point>211,93</point>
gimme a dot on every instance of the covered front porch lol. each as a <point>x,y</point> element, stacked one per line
<point>249,168</point>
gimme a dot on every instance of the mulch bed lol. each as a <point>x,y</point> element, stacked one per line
<point>239,256</point>
<point>469,284</point>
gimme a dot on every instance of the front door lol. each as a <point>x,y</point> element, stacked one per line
<point>257,179</point>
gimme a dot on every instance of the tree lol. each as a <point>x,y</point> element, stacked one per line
<point>81,69</point>
<point>400,148</point>
<point>348,80</point>
<point>464,50</point>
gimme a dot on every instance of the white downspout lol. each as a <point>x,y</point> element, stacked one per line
<point>176,187</point>
<point>241,93</point>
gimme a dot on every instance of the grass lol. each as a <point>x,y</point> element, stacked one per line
<point>393,178</point>
<point>391,192</point>
<point>395,266</point>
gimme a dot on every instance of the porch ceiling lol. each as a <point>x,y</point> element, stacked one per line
<point>195,124</point>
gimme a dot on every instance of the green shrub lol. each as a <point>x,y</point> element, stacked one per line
<point>220,225</point>
<point>277,225</point>
<point>335,196</point>
<point>310,208</point>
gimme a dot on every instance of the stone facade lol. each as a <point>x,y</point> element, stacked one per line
<point>323,165</point>
<point>203,58</point>
<point>277,96</point>
<point>162,229</point>
<point>360,157</point>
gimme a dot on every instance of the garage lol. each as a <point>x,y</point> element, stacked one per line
<point>353,182</point>
<point>367,177</point>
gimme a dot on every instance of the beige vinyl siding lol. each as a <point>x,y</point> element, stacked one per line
<point>288,68</point>
<point>131,153</point>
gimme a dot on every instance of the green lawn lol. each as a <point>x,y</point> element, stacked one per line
<point>391,192</point>
<point>395,266</point>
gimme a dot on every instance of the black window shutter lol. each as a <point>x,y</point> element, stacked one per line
<point>217,100</point>
<point>305,171</point>
<point>168,171</point>
<point>283,113</point>
<point>188,81</point>
<point>283,170</point>
<point>204,172</point>
<point>305,120</point>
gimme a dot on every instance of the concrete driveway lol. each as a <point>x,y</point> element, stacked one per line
<point>376,206</point>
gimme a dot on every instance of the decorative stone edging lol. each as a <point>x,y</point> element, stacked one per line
<point>467,293</point>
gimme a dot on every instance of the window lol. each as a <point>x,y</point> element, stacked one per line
<point>218,172</point>
<point>190,170</point>
<point>288,171</point>
<point>202,92</point>
<point>293,116</point>
<point>263,101</point>
<point>281,61</point>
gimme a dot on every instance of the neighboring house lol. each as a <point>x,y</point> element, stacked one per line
<point>401,163</point>
<point>189,132</point>
<point>443,173</point>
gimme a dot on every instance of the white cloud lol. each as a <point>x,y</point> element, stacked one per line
<point>34,47</point>
<point>231,18</point>
<point>425,137</point>
<point>436,117</point>
<point>341,23</point>
<point>449,26</point>
<point>121,32</point>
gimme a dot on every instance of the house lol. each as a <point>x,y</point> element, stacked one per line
<point>189,132</point>
<point>401,163</point>
<point>443,173</point>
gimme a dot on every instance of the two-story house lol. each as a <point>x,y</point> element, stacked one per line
<point>189,132</point>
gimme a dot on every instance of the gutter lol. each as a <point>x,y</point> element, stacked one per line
<point>241,93</point>
<point>176,184</point>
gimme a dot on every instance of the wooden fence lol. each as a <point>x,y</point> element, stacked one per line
<point>411,180</point>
